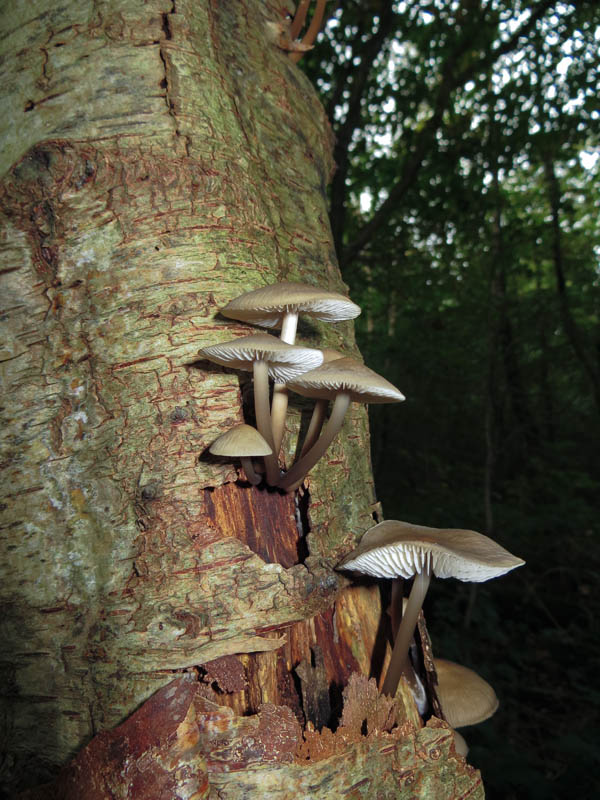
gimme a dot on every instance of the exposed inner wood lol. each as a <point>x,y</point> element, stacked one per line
<point>262,518</point>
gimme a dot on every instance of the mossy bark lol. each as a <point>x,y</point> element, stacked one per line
<point>159,159</point>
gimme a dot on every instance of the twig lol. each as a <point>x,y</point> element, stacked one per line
<point>311,33</point>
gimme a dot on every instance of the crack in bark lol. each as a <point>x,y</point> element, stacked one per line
<point>165,83</point>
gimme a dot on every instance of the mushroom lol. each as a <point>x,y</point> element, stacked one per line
<point>278,306</point>
<point>311,33</point>
<point>415,684</point>
<point>243,441</point>
<point>460,745</point>
<point>266,356</point>
<point>465,698</point>
<point>343,381</point>
<point>394,549</point>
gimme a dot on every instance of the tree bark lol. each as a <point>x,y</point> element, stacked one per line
<point>160,159</point>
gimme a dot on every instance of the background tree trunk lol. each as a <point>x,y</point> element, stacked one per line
<point>570,327</point>
<point>159,159</point>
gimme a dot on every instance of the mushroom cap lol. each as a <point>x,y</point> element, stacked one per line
<point>345,375</point>
<point>329,354</point>
<point>285,361</point>
<point>395,549</point>
<point>466,699</point>
<point>460,745</point>
<point>268,305</point>
<point>240,442</point>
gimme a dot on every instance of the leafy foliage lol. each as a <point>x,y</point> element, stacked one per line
<point>465,211</point>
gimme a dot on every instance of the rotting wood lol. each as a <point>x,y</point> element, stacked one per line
<point>178,744</point>
<point>263,519</point>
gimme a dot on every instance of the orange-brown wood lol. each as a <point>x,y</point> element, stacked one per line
<point>264,519</point>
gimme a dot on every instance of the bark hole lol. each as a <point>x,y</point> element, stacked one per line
<point>264,519</point>
<point>307,673</point>
<point>302,503</point>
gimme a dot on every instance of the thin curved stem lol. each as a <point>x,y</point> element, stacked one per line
<point>396,605</point>
<point>263,416</point>
<point>313,29</point>
<point>294,477</point>
<point>279,406</point>
<point>298,20</point>
<point>408,671</point>
<point>253,477</point>
<point>279,403</point>
<point>315,425</point>
<point>406,631</point>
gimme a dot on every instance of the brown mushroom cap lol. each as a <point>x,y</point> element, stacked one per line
<point>394,549</point>
<point>285,361</point>
<point>239,442</point>
<point>268,305</point>
<point>329,354</point>
<point>460,745</point>
<point>349,376</point>
<point>343,380</point>
<point>466,699</point>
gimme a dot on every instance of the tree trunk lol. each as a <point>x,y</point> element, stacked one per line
<point>161,158</point>
<point>571,330</point>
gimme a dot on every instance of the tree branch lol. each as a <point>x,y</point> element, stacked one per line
<point>345,131</point>
<point>451,80</point>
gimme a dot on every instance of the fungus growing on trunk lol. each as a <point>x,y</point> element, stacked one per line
<point>395,549</point>
<point>266,356</point>
<point>343,380</point>
<point>460,745</point>
<point>465,698</point>
<point>278,306</point>
<point>243,442</point>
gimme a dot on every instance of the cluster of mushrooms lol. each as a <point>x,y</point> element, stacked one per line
<point>324,375</point>
<point>391,549</point>
<point>401,550</point>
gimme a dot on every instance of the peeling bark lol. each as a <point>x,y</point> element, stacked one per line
<point>180,746</point>
<point>160,159</point>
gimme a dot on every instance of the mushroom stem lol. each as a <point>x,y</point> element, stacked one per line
<point>315,425</point>
<point>279,403</point>
<point>408,671</point>
<point>406,630</point>
<point>253,477</point>
<point>298,20</point>
<point>313,29</point>
<point>396,605</point>
<point>289,327</point>
<point>263,416</point>
<point>278,414</point>
<point>294,477</point>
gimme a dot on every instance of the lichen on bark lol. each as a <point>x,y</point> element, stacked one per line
<point>160,159</point>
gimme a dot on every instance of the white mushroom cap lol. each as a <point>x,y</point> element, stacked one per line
<point>349,376</point>
<point>239,442</point>
<point>395,549</point>
<point>268,305</point>
<point>465,697</point>
<point>286,361</point>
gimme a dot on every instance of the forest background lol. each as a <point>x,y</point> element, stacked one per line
<point>465,211</point>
